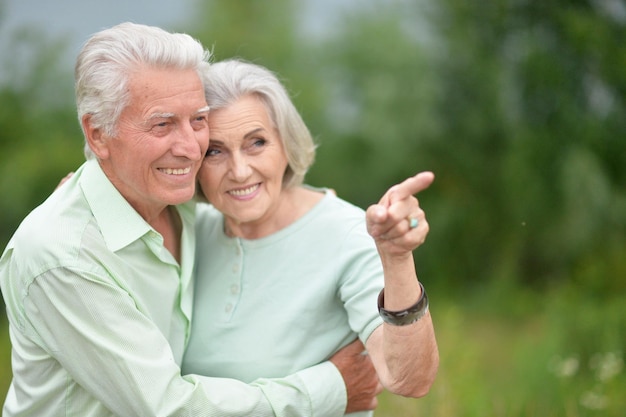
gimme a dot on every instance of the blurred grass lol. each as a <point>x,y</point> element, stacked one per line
<point>511,352</point>
<point>518,353</point>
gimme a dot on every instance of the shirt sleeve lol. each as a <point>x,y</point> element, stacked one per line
<point>318,391</point>
<point>324,385</point>
<point>361,280</point>
<point>114,352</point>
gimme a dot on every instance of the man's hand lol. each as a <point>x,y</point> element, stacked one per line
<point>359,375</point>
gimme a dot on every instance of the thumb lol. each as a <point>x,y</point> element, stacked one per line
<point>376,213</point>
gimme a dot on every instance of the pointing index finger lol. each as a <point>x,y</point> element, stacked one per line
<point>411,186</point>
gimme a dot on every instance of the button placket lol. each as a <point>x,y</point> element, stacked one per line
<point>234,290</point>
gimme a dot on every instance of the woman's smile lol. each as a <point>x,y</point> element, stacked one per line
<point>245,193</point>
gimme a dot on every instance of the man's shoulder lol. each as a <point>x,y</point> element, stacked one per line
<point>51,234</point>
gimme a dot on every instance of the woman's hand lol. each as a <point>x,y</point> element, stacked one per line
<point>397,223</point>
<point>64,179</point>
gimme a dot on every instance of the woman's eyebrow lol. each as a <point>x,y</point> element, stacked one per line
<point>253,132</point>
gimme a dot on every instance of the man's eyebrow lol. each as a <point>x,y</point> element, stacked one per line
<point>170,115</point>
<point>161,116</point>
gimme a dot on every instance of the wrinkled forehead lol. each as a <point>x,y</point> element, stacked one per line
<point>162,92</point>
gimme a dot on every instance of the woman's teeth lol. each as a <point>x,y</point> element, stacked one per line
<point>244,191</point>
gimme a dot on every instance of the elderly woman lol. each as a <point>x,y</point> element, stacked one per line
<point>286,273</point>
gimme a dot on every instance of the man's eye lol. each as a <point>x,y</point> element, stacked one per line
<point>200,122</point>
<point>160,124</point>
<point>161,128</point>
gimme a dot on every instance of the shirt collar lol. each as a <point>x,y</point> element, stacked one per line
<point>119,223</point>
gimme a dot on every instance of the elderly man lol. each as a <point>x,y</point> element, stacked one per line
<point>98,279</point>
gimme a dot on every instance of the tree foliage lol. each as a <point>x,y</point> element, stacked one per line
<point>539,113</point>
<point>517,106</point>
<point>40,140</point>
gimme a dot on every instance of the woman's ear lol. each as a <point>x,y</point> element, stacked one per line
<point>96,138</point>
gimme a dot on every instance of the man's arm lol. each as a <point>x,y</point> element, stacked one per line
<point>95,331</point>
<point>359,374</point>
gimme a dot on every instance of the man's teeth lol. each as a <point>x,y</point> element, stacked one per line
<point>179,171</point>
<point>244,191</point>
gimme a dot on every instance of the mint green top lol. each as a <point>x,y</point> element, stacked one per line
<point>272,306</point>
<point>99,315</point>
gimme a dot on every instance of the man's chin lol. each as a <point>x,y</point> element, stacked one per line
<point>181,196</point>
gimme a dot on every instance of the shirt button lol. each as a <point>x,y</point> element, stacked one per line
<point>234,289</point>
<point>235,268</point>
<point>229,308</point>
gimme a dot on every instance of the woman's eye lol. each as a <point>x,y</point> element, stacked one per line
<point>260,142</point>
<point>212,152</point>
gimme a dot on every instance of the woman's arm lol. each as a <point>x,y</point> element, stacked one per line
<point>405,355</point>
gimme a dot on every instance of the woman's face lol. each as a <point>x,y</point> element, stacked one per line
<point>242,172</point>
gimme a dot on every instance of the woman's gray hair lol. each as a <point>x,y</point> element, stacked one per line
<point>227,81</point>
<point>109,57</point>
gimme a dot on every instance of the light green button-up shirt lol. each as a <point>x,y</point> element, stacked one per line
<point>99,315</point>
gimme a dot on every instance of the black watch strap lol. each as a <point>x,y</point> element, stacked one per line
<point>404,317</point>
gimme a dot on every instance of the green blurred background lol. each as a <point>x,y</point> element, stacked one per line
<point>519,109</point>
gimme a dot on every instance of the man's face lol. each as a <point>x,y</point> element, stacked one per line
<point>162,136</point>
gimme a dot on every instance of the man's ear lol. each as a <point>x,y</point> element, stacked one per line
<point>96,138</point>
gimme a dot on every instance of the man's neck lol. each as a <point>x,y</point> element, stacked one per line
<point>170,226</point>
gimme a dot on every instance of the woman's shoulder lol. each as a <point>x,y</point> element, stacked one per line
<point>337,212</point>
<point>207,215</point>
<point>344,206</point>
